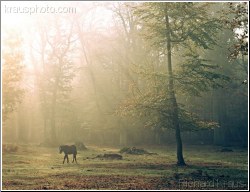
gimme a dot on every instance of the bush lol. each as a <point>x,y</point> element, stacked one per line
<point>10,148</point>
<point>80,146</point>
<point>111,156</point>
<point>133,150</point>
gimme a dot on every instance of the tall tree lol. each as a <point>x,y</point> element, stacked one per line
<point>59,71</point>
<point>13,69</point>
<point>178,28</point>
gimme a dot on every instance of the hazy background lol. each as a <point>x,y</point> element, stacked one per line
<point>93,75</point>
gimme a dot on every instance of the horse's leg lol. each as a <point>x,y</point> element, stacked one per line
<point>67,159</point>
<point>64,158</point>
<point>75,158</point>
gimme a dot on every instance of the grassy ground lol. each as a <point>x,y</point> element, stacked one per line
<point>34,167</point>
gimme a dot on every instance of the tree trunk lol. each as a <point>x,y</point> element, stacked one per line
<point>53,110</point>
<point>53,124</point>
<point>175,118</point>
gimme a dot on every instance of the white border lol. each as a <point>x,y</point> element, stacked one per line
<point>233,1</point>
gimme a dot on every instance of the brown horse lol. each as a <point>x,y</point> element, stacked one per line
<point>68,149</point>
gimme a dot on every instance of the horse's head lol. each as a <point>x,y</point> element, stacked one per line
<point>60,149</point>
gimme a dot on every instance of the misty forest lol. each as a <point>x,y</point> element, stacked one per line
<point>125,95</point>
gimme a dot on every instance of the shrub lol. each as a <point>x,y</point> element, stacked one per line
<point>80,146</point>
<point>133,150</point>
<point>10,148</point>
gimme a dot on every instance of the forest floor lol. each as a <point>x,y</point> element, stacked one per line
<point>40,168</point>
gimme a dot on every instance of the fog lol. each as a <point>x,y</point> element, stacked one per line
<point>100,75</point>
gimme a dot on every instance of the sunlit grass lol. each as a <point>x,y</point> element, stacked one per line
<point>30,164</point>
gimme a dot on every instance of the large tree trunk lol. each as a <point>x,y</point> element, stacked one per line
<point>53,124</point>
<point>171,90</point>
<point>53,110</point>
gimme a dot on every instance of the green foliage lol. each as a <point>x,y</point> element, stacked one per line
<point>192,27</point>
<point>191,122</point>
<point>196,74</point>
<point>155,111</point>
<point>12,70</point>
<point>189,22</point>
<point>235,18</point>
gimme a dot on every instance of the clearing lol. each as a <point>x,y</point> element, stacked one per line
<point>34,167</point>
